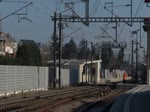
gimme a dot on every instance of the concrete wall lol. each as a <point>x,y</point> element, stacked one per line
<point>69,77</point>
<point>96,78</point>
<point>15,79</point>
<point>114,74</point>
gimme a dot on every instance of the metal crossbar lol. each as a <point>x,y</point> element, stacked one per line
<point>102,19</point>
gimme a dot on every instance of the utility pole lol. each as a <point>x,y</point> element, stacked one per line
<point>148,56</point>
<point>146,28</point>
<point>136,56</point>
<point>116,31</point>
<point>86,62</point>
<point>132,61</point>
<point>91,59</point>
<point>144,55</point>
<point>136,51</point>
<point>54,51</point>
<point>131,10</point>
<point>60,27</point>
<point>87,11</point>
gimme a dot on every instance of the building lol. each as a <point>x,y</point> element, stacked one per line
<point>8,45</point>
<point>83,73</point>
<point>84,70</point>
<point>2,45</point>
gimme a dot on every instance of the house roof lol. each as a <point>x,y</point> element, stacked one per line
<point>11,39</point>
<point>8,37</point>
<point>2,38</point>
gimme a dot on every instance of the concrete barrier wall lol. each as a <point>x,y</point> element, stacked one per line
<point>114,74</point>
<point>15,79</point>
<point>69,77</point>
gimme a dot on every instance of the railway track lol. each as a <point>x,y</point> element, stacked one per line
<point>104,103</point>
<point>33,94</point>
<point>45,102</point>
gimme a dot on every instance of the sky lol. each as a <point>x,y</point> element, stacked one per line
<point>38,25</point>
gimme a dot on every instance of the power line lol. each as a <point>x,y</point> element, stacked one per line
<point>15,11</point>
<point>44,12</point>
<point>96,8</point>
<point>135,16</point>
<point>93,6</point>
<point>44,5</point>
<point>72,33</point>
<point>13,1</point>
<point>138,8</point>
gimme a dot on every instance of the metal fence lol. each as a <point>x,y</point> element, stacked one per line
<point>21,78</point>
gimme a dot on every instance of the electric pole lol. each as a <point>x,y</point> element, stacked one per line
<point>132,74</point>
<point>148,56</point>
<point>136,77</point>
<point>131,10</point>
<point>54,51</point>
<point>60,27</point>
<point>146,28</point>
<point>116,32</point>
<point>91,59</point>
<point>86,61</point>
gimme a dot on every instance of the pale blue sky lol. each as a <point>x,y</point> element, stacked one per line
<point>41,27</point>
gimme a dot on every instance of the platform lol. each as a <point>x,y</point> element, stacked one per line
<point>135,100</point>
<point>119,79</point>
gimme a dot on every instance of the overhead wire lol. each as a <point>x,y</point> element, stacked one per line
<point>83,32</point>
<point>96,28</point>
<point>32,21</point>
<point>73,24</point>
<point>138,8</point>
<point>44,12</point>
<point>94,5</point>
<point>132,24</point>
<point>96,8</point>
<point>92,13</point>
<point>13,1</point>
<point>87,35</point>
<point>34,7</point>
<point>44,5</point>
<point>15,11</point>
